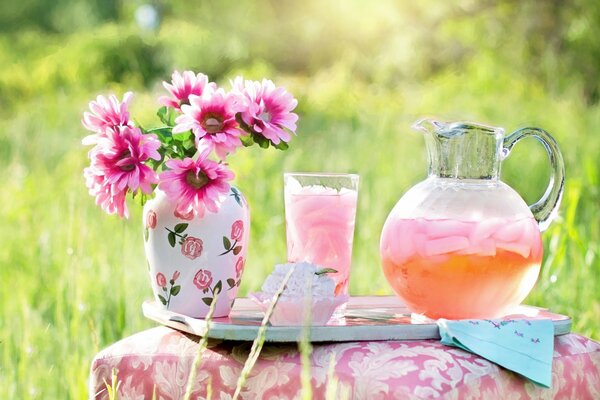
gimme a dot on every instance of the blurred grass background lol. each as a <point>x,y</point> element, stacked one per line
<point>72,279</point>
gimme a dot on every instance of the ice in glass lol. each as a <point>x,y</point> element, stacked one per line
<point>320,214</point>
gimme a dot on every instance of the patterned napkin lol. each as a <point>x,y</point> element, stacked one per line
<point>520,345</point>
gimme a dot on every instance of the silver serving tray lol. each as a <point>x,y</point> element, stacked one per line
<point>366,318</point>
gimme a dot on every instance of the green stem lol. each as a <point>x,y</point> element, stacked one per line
<point>230,249</point>
<point>174,233</point>
<point>159,128</point>
<point>169,298</point>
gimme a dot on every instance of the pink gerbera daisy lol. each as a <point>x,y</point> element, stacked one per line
<point>211,117</point>
<point>184,85</point>
<point>196,186</point>
<point>120,157</point>
<point>107,196</point>
<point>106,114</point>
<point>268,109</point>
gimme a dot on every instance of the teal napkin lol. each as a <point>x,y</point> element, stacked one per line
<point>523,346</point>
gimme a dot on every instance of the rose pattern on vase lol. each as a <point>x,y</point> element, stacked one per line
<point>237,231</point>
<point>203,281</point>
<point>191,247</point>
<point>150,223</point>
<point>208,254</point>
<point>239,268</point>
<point>174,290</point>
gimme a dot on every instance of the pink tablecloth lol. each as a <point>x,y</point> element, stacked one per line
<point>161,358</point>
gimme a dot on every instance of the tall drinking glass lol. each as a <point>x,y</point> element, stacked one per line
<point>320,211</point>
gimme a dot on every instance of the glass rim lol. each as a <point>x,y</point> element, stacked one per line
<point>323,174</point>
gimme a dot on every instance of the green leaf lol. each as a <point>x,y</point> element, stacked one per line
<point>191,152</point>
<point>226,243</point>
<point>164,134</point>
<point>146,233</point>
<point>162,114</point>
<point>175,290</point>
<point>180,227</point>
<point>242,124</point>
<point>162,300</point>
<point>218,287</point>
<point>247,140</point>
<point>207,300</point>
<point>182,136</point>
<point>262,141</point>
<point>231,282</point>
<point>281,145</point>
<point>166,115</point>
<point>172,239</point>
<point>236,250</point>
<point>326,271</point>
<point>236,195</point>
<point>237,198</point>
<point>189,144</point>
<point>172,117</point>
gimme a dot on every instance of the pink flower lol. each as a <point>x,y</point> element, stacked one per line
<point>237,230</point>
<point>196,185</point>
<point>192,247</point>
<point>211,117</point>
<point>161,280</point>
<point>106,114</point>
<point>120,156</point>
<point>267,109</point>
<point>184,85</point>
<point>151,220</point>
<point>107,197</point>
<point>203,279</point>
<point>186,217</point>
<point>239,267</point>
<point>175,276</point>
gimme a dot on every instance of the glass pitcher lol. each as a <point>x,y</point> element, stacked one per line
<point>463,244</point>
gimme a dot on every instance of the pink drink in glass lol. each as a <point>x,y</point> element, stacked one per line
<point>461,269</point>
<point>320,227</point>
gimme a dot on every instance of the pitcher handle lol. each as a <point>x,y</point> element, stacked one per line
<point>545,209</point>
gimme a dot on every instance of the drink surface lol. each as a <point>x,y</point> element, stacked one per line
<point>320,229</point>
<point>461,269</point>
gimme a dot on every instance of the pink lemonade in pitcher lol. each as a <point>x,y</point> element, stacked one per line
<point>320,228</point>
<point>455,269</point>
<point>461,243</point>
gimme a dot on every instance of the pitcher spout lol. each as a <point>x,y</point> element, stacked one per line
<point>462,150</point>
<point>428,125</point>
<point>453,129</point>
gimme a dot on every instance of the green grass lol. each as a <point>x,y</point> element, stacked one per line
<point>73,280</point>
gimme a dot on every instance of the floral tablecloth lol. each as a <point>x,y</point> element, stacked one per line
<point>160,359</point>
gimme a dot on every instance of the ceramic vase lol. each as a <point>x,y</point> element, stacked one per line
<point>191,259</point>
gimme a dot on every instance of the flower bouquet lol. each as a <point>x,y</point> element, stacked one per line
<point>196,223</point>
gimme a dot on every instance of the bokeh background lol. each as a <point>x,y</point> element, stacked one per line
<point>72,279</point>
